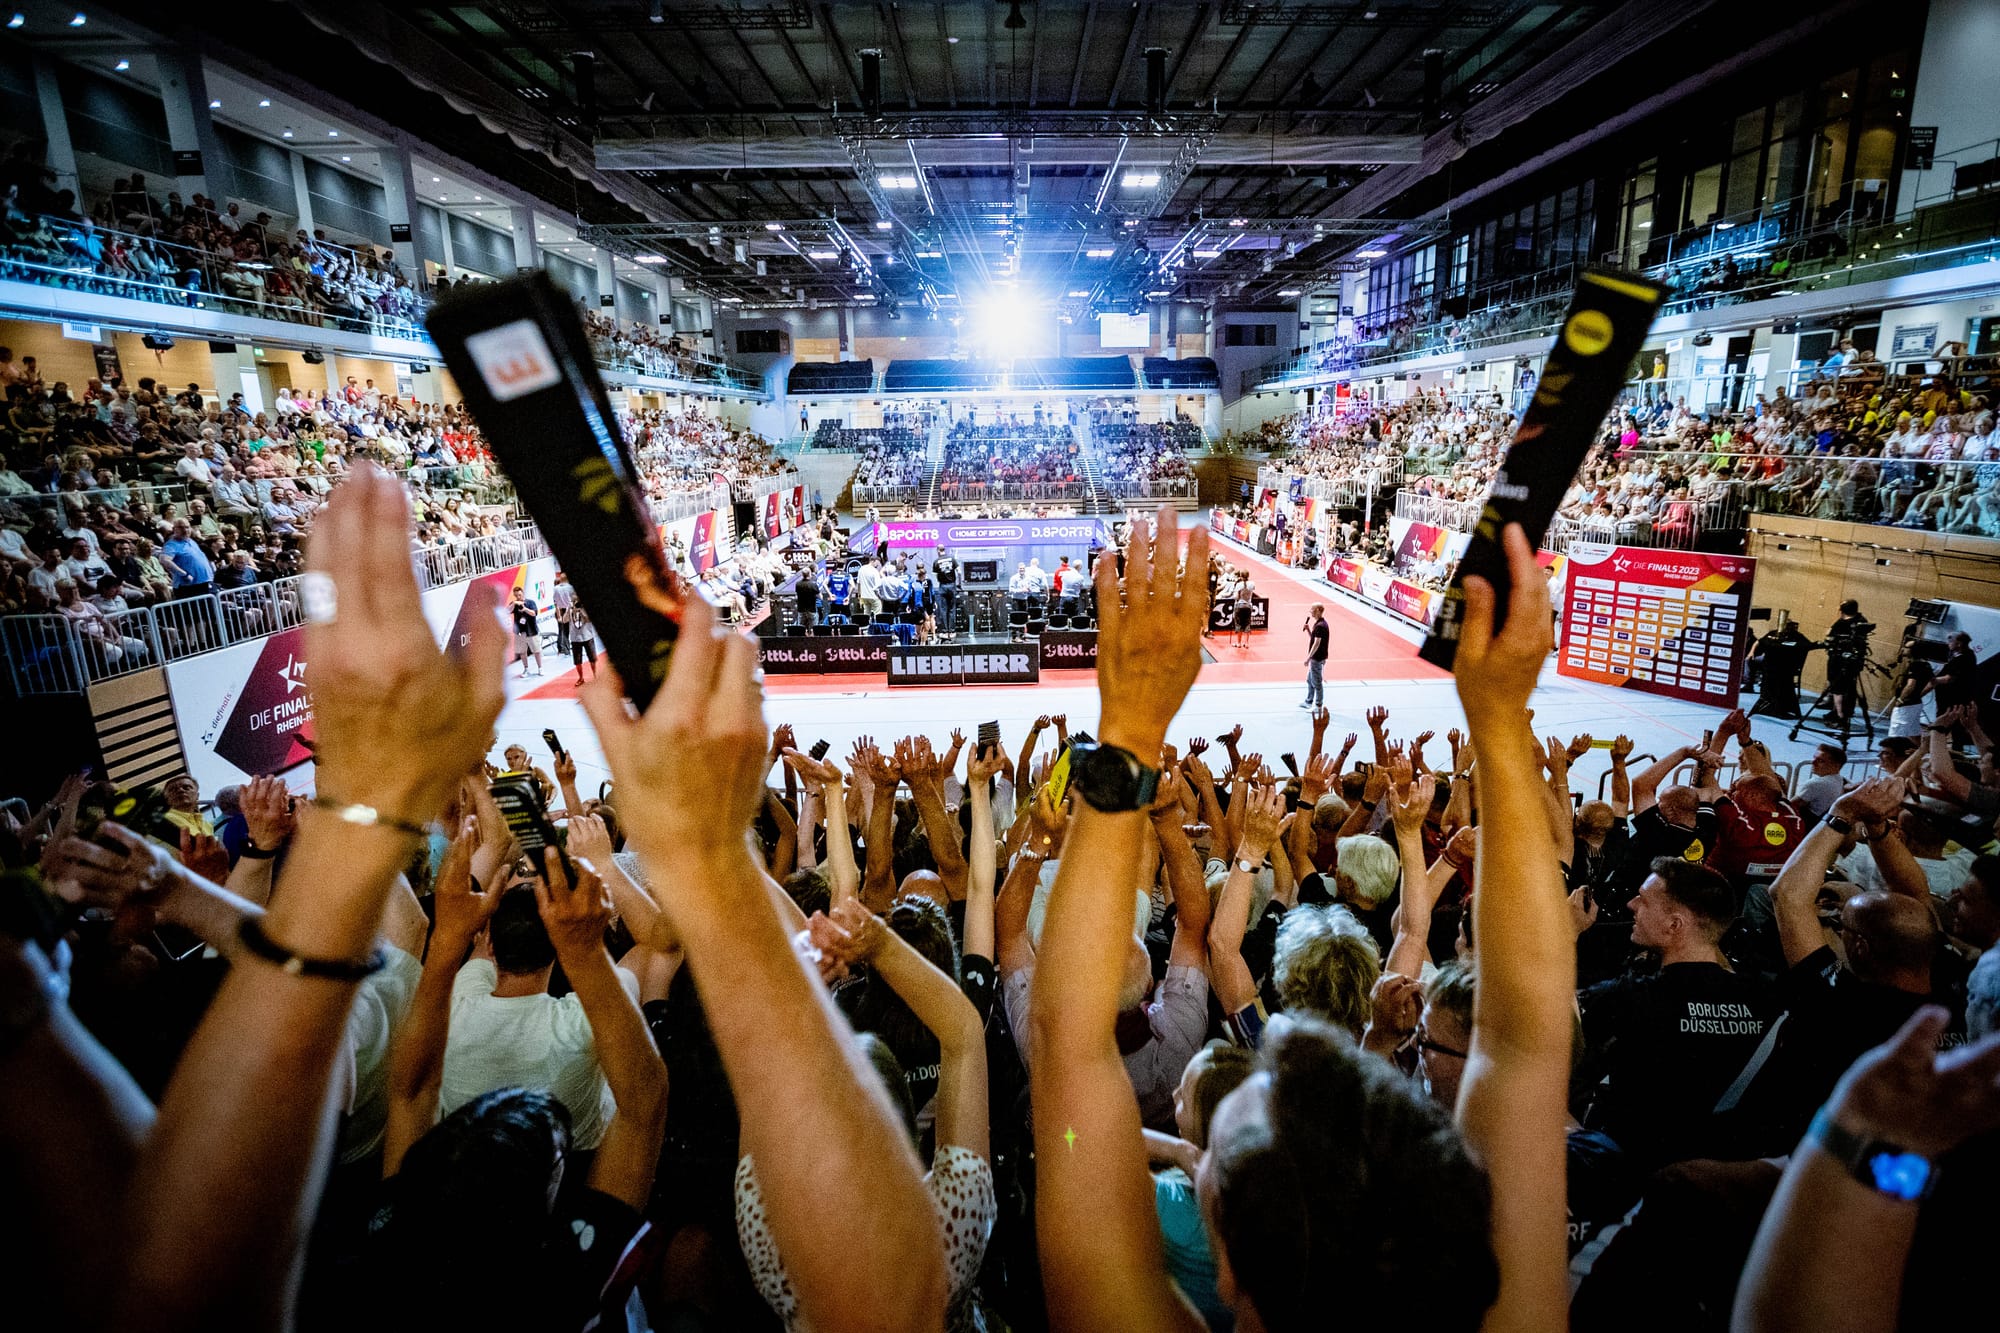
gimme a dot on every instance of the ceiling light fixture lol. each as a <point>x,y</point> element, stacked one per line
<point>1015,20</point>
<point>17,20</point>
<point>345,158</point>
<point>883,224</point>
<point>263,101</point>
<point>122,66</point>
<point>657,14</point>
<point>1081,293</point>
<point>1370,254</point>
<point>1100,254</point>
<point>1238,222</point>
<point>287,134</point>
<point>651,259</point>
<point>897,182</point>
<point>1208,254</point>
<point>1140,180</point>
<point>215,104</point>
<point>76,21</point>
<point>822,254</point>
<point>1291,291</point>
<point>333,134</point>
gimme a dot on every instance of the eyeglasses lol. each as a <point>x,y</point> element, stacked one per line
<point>1424,1043</point>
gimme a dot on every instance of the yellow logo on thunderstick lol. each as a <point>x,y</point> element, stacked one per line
<point>1587,333</point>
<point>597,484</point>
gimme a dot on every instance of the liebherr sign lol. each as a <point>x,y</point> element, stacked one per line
<point>997,664</point>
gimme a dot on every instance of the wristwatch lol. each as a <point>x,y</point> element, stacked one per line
<point>1841,825</point>
<point>1247,867</point>
<point>1884,1167</point>
<point>1111,780</point>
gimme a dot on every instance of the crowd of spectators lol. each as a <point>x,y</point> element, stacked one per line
<point>628,345</point>
<point>921,1038</point>
<point>126,497</point>
<point>980,458</point>
<point>199,250</point>
<point>1140,452</point>
<point>689,451</point>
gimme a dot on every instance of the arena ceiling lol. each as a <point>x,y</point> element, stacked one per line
<point>1102,152</point>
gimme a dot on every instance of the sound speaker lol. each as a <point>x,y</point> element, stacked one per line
<point>313,358</point>
<point>156,342</point>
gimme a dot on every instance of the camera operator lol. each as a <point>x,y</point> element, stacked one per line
<point>1779,657</point>
<point>1846,656</point>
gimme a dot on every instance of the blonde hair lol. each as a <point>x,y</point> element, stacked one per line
<point>1326,963</point>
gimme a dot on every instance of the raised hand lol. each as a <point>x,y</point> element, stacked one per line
<point>1376,784</point>
<point>204,856</point>
<point>1232,736</point>
<point>125,880</point>
<point>1320,717</point>
<point>267,812</point>
<point>396,723</point>
<point>1582,910</point>
<point>565,764</point>
<point>815,773</point>
<point>1497,671</point>
<point>1621,749</point>
<point>1377,717</point>
<point>589,839</point>
<point>1317,780</point>
<point>1410,802</point>
<point>1246,771</point>
<point>1347,744</point>
<point>575,915</point>
<point>978,770</point>
<point>1040,724</point>
<point>707,720</point>
<point>463,907</point>
<point>1050,819</point>
<point>782,740</point>
<point>1197,772</point>
<point>1394,1006</point>
<point>1578,746</point>
<point>1905,1092</point>
<point>1401,770</point>
<point>1262,812</point>
<point>858,935</point>
<point>1197,746</point>
<point>1872,802</point>
<point>1457,741</point>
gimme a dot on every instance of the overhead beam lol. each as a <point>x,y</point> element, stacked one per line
<point>1139,13</point>
<point>1082,52</point>
<point>902,56</point>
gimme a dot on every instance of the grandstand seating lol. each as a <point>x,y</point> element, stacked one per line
<point>830,377</point>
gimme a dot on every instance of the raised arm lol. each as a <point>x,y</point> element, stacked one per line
<point>1228,973</point>
<point>1806,1273</point>
<point>1025,764</point>
<point>1646,787</point>
<point>878,885</point>
<point>980,867</point>
<point>221,1198</point>
<point>1102,1259</point>
<point>1410,950</point>
<point>940,1006</point>
<point>1621,781</point>
<point>926,776</point>
<point>576,918</point>
<point>416,1060</point>
<point>790,1057</point>
<point>1512,1104</point>
<point>826,784</point>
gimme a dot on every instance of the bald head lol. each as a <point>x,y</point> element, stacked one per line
<point>1891,937</point>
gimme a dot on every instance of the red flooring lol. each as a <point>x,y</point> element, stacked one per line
<point>1358,649</point>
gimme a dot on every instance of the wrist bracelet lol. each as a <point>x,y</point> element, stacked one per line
<point>257,943</point>
<point>367,816</point>
<point>252,852</point>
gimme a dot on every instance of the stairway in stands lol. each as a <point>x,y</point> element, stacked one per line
<point>1096,500</point>
<point>933,463</point>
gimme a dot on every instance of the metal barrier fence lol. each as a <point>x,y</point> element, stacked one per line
<point>57,653</point>
<point>686,504</point>
<point>1012,490</point>
<point>756,488</point>
<point>120,497</point>
<point>1358,489</point>
<point>1157,488</point>
<point>865,495</point>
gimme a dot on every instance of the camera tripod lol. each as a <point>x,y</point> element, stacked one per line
<point>1811,718</point>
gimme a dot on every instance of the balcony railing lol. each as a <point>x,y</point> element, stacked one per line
<point>80,257</point>
<point>1784,258</point>
<point>1155,488</point>
<point>56,252</point>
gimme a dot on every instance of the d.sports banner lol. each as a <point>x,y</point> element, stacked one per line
<point>1667,622</point>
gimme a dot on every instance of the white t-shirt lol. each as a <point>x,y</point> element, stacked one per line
<point>361,1071</point>
<point>195,470</point>
<point>525,1041</point>
<point>1943,874</point>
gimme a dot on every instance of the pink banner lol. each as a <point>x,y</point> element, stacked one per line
<point>1667,622</point>
<point>701,551</point>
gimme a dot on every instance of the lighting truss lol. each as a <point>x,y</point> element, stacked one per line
<point>1239,13</point>
<point>728,15</point>
<point>1021,124</point>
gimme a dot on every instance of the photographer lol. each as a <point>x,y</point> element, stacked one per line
<point>1846,657</point>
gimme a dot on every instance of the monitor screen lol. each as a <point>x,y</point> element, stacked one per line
<point>1124,330</point>
<point>982,572</point>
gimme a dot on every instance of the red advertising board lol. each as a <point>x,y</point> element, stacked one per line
<point>1666,622</point>
<point>701,551</point>
<point>782,510</point>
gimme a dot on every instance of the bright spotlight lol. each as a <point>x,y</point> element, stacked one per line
<point>1004,323</point>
